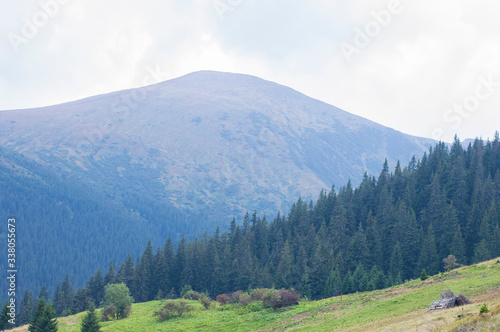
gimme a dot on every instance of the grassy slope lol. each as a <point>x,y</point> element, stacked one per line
<point>394,309</point>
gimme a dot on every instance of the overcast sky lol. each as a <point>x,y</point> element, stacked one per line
<point>427,68</point>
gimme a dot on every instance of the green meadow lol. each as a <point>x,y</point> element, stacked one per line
<point>400,308</point>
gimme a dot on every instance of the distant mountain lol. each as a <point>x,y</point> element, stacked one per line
<point>213,143</point>
<point>94,179</point>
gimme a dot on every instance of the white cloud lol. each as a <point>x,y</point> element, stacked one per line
<point>431,55</point>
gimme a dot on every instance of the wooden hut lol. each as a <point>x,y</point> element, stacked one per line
<point>449,300</point>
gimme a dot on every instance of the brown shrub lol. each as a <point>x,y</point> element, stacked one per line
<point>222,299</point>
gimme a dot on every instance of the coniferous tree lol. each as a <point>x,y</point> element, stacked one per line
<point>127,273</point>
<point>110,277</point>
<point>481,252</point>
<point>27,306</point>
<point>95,288</point>
<point>43,293</point>
<point>46,322</point>
<point>333,285</point>
<point>58,301</point>
<point>37,314</point>
<point>429,258</point>
<point>90,322</point>
<point>396,264</point>
<point>67,295</point>
<point>320,270</point>
<point>284,270</point>
<point>81,301</point>
<point>5,319</point>
<point>458,247</point>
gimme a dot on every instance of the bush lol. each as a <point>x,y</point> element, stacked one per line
<point>288,298</point>
<point>235,297</point>
<point>205,301</point>
<point>484,309</point>
<point>258,293</point>
<point>450,263</point>
<point>222,299</point>
<point>270,298</point>
<point>423,275</point>
<point>245,299</point>
<point>109,313</point>
<point>173,309</point>
<point>279,299</point>
<point>192,295</point>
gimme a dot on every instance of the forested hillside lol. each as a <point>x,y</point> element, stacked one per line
<point>66,227</point>
<point>383,232</point>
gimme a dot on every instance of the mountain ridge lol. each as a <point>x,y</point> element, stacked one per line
<point>221,130</point>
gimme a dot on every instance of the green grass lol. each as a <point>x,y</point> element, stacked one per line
<point>398,308</point>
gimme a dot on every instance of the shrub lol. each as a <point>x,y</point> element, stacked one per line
<point>484,309</point>
<point>245,299</point>
<point>192,295</point>
<point>280,299</point>
<point>270,298</point>
<point>127,310</point>
<point>288,298</point>
<point>222,299</point>
<point>109,313</point>
<point>423,275</point>
<point>450,262</point>
<point>258,293</point>
<point>235,297</point>
<point>173,309</point>
<point>205,301</point>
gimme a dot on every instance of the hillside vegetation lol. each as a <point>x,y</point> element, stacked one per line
<point>400,308</point>
<point>433,214</point>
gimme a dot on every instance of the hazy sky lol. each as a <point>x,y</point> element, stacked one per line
<point>428,68</point>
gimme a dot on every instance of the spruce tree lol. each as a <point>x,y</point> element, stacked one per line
<point>43,293</point>
<point>458,247</point>
<point>90,322</point>
<point>333,284</point>
<point>37,314</point>
<point>284,270</point>
<point>58,301</point>
<point>110,277</point>
<point>67,296</point>
<point>95,288</point>
<point>46,322</point>
<point>27,306</point>
<point>81,301</point>
<point>396,264</point>
<point>5,318</point>
<point>429,258</point>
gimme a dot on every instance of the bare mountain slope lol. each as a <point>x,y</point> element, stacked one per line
<point>214,142</point>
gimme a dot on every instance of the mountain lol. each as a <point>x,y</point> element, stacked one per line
<point>94,179</point>
<point>208,143</point>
